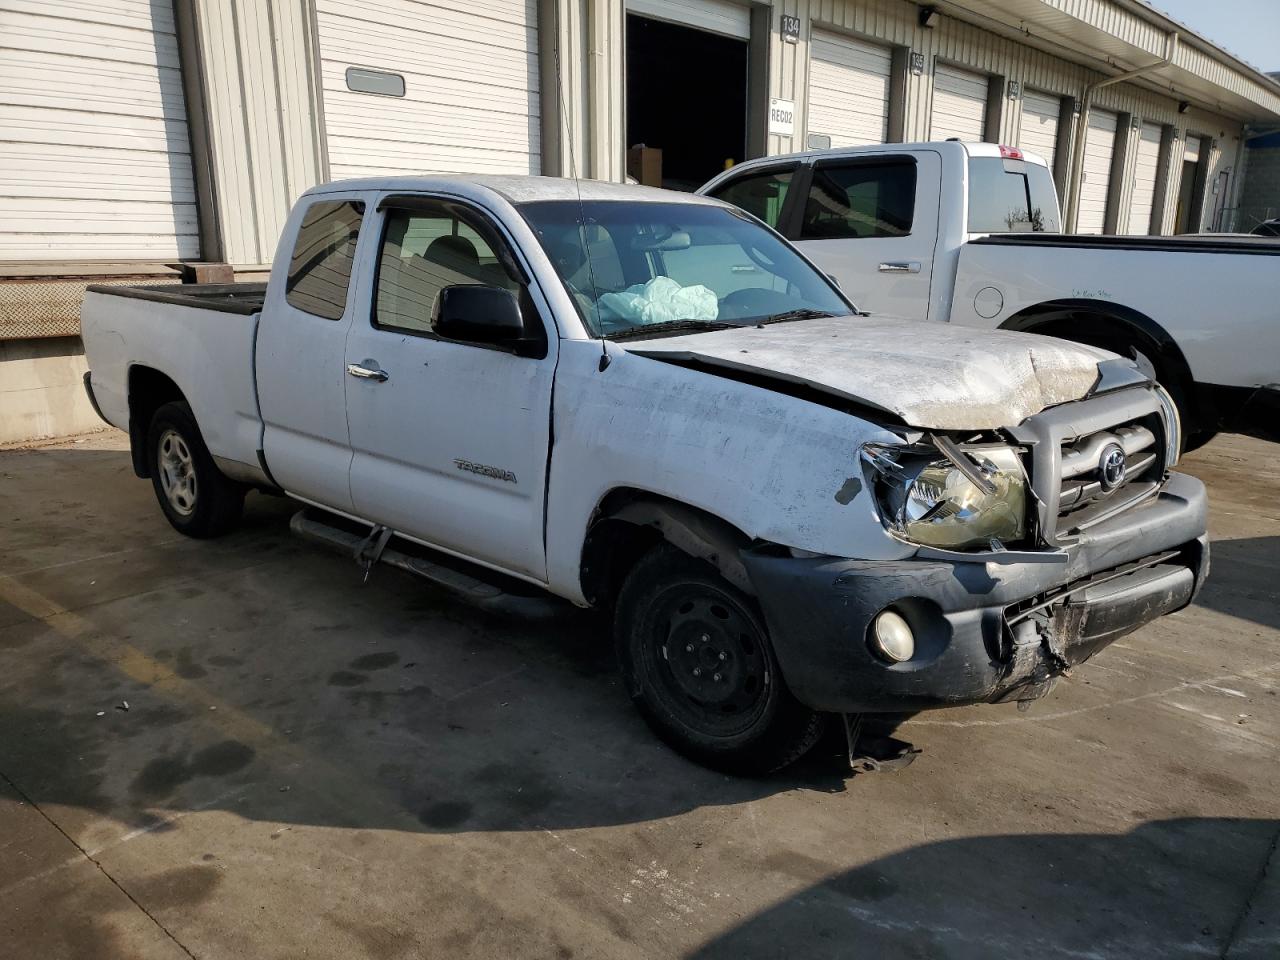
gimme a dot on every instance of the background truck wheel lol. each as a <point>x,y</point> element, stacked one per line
<point>697,661</point>
<point>197,499</point>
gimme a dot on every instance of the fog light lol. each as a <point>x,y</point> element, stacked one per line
<point>891,637</point>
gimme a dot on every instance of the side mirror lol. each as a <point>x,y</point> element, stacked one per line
<point>478,314</point>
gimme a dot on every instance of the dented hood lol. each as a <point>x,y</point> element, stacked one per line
<point>931,375</point>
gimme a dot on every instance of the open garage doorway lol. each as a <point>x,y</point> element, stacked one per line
<point>687,97</point>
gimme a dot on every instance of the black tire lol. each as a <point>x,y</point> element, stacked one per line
<point>197,498</point>
<point>676,615</point>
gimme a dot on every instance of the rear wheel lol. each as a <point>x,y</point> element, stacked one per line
<point>698,664</point>
<point>196,497</point>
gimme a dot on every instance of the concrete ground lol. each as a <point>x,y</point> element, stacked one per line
<point>311,767</point>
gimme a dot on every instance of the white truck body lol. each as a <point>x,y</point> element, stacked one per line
<point>762,446</point>
<point>1200,312</point>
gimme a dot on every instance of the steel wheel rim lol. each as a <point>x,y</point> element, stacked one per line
<point>177,472</point>
<point>709,660</point>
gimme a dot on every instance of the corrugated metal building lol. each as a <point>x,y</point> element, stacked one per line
<point>139,138</point>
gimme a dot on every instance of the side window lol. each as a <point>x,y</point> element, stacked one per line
<point>761,194</point>
<point>1011,196</point>
<point>320,268</point>
<point>860,200</point>
<point>423,251</point>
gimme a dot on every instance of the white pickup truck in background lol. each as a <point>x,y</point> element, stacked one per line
<point>531,389</point>
<point>969,233</point>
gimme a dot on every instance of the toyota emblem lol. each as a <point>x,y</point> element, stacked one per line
<point>1111,467</point>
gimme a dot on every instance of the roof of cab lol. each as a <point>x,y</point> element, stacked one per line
<point>516,189</point>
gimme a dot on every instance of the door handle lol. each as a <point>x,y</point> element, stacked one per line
<point>370,372</point>
<point>900,266</point>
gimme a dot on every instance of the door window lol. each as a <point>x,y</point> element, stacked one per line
<point>320,268</point>
<point>423,251</point>
<point>862,200</point>
<point>760,194</point>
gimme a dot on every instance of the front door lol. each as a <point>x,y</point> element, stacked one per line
<point>871,222</point>
<point>450,439</point>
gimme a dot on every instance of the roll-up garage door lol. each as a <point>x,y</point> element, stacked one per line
<point>715,16</point>
<point>1145,167</point>
<point>1039,130</point>
<point>1099,147</point>
<point>435,88</point>
<point>95,162</point>
<point>848,90</point>
<point>959,104</point>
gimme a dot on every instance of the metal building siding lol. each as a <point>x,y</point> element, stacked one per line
<point>262,117</point>
<point>471,102</point>
<point>1099,149</point>
<point>95,161</point>
<point>959,104</point>
<point>1038,131</point>
<point>848,90</point>
<point>1145,169</point>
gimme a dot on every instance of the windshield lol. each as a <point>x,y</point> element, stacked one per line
<point>631,266</point>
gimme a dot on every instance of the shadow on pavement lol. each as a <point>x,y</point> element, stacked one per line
<point>1161,890</point>
<point>1251,591</point>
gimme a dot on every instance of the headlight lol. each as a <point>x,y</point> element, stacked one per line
<point>1172,427</point>
<point>927,499</point>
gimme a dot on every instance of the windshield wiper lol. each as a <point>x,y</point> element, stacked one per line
<point>671,326</point>
<point>804,313</point>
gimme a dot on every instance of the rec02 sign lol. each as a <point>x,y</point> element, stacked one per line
<point>782,117</point>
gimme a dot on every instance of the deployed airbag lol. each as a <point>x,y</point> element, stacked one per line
<point>659,300</point>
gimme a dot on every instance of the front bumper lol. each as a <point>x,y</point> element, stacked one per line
<point>984,632</point>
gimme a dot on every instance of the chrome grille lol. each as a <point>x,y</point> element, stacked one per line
<point>1090,485</point>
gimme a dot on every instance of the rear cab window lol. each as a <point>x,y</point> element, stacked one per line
<point>1011,196</point>
<point>860,200</point>
<point>320,268</point>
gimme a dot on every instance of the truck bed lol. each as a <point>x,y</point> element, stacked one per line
<point>242,298</point>
<point>200,336</point>
<point>1185,243</point>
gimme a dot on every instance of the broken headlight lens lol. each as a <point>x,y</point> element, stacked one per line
<point>926,498</point>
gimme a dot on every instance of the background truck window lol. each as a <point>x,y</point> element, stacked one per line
<point>422,253</point>
<point>861,200</point>
<point>1011,196</point>
<point>761,194</point>
<point>320,268</point>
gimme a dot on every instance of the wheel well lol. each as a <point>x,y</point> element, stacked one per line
<point>1120,329</point>
<point>149,390</point>
<point>627,523</point>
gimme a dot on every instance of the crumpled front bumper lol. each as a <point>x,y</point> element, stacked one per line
<point>975,641</point>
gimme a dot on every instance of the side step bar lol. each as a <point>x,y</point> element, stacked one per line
<point>476,585</point>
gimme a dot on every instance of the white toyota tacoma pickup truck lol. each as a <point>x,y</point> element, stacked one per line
<point>651,403</point>
<point>969,233</point>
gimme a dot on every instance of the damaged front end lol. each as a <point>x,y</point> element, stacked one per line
<point>1034,546</point>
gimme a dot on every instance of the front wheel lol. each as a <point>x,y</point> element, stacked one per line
<point>196,497</point>
<point>698,664</point>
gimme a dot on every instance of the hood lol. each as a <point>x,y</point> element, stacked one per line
<point>931,375</point>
